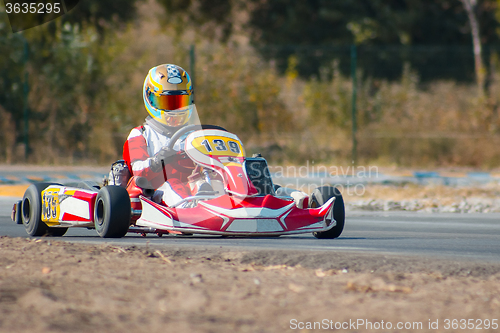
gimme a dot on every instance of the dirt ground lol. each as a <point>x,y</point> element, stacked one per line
<point>53,286</point>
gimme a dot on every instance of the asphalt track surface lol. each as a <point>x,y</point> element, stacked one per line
<point>474,237</point>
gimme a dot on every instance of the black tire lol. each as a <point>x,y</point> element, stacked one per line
<point>112,212</point>
<point>321,195</point>
<point>31,210</point>
<point>56,232</point>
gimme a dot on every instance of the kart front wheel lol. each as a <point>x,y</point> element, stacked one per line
<point>31,210</point>
<point>321,195</point>
<point>112,212</point>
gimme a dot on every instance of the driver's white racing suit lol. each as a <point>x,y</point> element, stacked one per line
<point>142,144</point>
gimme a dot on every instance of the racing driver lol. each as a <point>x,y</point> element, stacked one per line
<point>169,100</point>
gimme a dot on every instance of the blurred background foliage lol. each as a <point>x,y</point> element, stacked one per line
<point>275,72</point>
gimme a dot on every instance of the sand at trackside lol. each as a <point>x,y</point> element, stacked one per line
<point>53,286</point>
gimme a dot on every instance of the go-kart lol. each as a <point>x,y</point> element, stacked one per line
<point>240,199</point>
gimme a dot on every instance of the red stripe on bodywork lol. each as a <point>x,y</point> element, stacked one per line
<point>86,196</point>
<point>67,217</point>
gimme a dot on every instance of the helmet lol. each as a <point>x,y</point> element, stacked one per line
<point>168,95</point>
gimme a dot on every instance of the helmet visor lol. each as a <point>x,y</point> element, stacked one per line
<point>169,102</point>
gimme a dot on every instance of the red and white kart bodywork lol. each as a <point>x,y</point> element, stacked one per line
<point>255,216</point>
<point>242,201</point>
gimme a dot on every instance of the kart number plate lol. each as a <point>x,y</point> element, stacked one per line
<point>218,146</point>
<point>50,205</point>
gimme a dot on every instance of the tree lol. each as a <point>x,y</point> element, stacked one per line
<point>382,27</point>
<point>471,9</point>
<point>212,16</point>
<point>318,31</point>
<point>66,74</point>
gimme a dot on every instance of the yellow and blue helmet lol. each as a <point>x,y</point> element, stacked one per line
<point>168,95</point>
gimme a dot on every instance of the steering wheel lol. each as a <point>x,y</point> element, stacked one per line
<point>180,132</point>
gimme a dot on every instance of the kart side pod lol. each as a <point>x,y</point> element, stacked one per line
<point>52,208</point>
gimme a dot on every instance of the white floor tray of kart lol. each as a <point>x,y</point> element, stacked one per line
<point>246,221</point>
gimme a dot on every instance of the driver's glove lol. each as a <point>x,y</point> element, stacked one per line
<point>164,155</point>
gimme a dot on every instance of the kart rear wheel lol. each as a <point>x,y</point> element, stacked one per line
<point>31,210</point>
<point>321,195</point>
<point>112,212</point>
